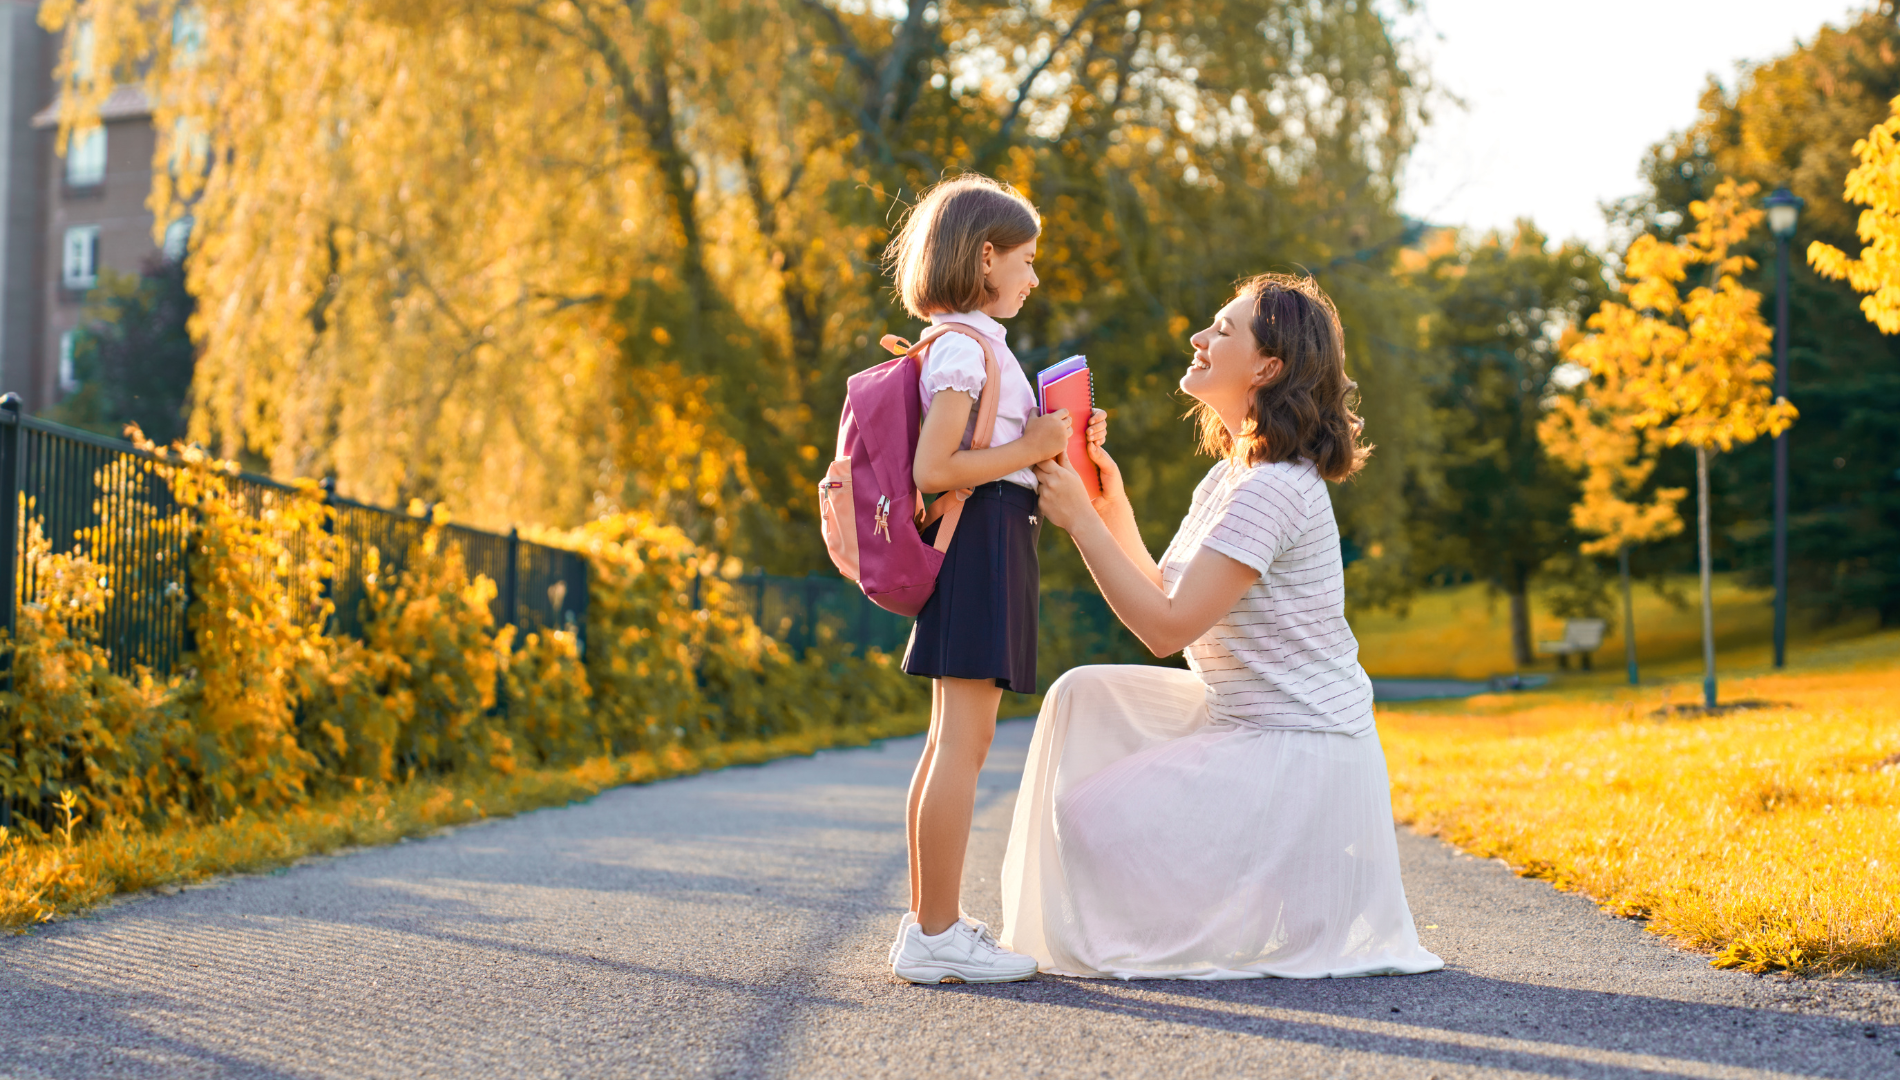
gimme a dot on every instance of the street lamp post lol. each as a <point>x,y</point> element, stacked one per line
<point>1784,210</point>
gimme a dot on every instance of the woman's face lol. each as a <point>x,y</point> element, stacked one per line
<point>1012,273</point>
<point>1227,364</point>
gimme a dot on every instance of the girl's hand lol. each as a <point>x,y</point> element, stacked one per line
<point>1065,500</point>
<point>1047,435</point>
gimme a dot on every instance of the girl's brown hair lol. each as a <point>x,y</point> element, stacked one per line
<point>936,259</point>
<point>1307,411</point>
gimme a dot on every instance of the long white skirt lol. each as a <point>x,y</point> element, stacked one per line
<point>1149,843</point>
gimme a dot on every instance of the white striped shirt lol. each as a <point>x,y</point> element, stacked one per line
<point>1284,656</point>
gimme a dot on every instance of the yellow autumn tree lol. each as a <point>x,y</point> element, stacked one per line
<point>1673,370</point>
<point>1594,432</point>
<point>551,260</point>
<point>1874,184</point>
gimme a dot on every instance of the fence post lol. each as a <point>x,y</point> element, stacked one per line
<point>511,586</point>
<point>328,486</point>
<point>9,548</point>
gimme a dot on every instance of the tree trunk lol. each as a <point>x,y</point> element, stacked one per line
<point>1629,612</point>
<point>1521,623</point>
<point>1708,606</point>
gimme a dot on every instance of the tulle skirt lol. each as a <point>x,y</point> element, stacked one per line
<point>1149,843</point>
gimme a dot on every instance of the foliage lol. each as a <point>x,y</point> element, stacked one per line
<point>1793,121</point>
<point>1594,431</point>
<point>1764,837</point>
<point>272,715</point>
<point>1875,184</point>
<point>1690,368</point>
<point>255,617</point>
<point>76,728</point>
<point>1500,306</point>
<point>468,251</point>
<point>133,356</point>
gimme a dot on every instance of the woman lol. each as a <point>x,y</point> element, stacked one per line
<point>1232,821</point>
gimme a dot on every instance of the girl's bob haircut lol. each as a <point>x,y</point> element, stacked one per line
<point>936,259</point>
<point>1307,412</point>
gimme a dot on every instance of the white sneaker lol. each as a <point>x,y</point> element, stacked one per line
<point>963,953</point>
<point>909,920</point>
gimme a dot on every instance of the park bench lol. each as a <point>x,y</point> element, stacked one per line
<point>1581,637</point>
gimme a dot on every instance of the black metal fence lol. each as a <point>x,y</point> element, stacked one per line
<point>85,492</point>
<point>803,611</point>
<point>1077,626</point>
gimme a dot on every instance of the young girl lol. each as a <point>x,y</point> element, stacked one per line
<point>966,254</point>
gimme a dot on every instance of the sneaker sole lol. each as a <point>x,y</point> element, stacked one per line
<point>933,976</point>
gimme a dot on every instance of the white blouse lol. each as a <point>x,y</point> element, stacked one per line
<point>1284,657</point>
<point>954,362</point>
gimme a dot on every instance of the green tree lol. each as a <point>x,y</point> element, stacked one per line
<point>1501,306</point>
<point>133,356</point>
<point>1794,120</point>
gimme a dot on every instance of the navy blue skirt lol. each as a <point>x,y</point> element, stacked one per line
<point>981,621</point>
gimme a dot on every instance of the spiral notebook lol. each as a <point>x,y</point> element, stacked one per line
<point>1068,385</point>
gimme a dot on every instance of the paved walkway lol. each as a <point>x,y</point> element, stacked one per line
<point>734,924</point>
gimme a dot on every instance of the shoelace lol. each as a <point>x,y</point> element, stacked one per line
<point>981,932</point>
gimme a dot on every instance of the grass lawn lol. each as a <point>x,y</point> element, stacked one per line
<point>1465,632</point>
<point>1768,837</point>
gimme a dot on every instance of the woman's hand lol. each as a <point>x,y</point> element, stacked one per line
<point>1046,436</point>
<point>1065,500</point>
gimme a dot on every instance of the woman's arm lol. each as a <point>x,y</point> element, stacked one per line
<point>1165,622</point>
<point>941,466</point>
<point>1112,504</point>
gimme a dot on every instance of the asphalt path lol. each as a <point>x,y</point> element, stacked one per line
<point>735,924</point>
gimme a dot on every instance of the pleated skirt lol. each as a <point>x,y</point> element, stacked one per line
<point>981,621</point>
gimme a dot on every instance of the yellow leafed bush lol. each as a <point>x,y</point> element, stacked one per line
<point>279,737</point>
<point>1769,837</point>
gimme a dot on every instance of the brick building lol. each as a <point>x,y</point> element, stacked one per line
<point>66,217</point>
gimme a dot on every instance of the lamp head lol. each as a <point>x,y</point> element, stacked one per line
<point>1784,209</point>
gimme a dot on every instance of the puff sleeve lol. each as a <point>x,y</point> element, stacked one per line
<point>954,362</point>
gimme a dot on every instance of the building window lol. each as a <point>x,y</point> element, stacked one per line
<point>86,157</point>
<point>79,262</point>
<point>68,373</point>
<point>188,36</point>
<point>177,239</point>
<point>82,53</point>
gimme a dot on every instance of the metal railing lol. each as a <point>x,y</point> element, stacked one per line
<point>1077,626</point>
<point>88,493</point>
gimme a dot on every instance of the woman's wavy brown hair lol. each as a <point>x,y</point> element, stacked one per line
<point>1307,412</point>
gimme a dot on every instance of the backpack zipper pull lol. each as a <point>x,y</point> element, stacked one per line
<point>883,523</point>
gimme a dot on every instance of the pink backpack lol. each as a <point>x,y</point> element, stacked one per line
<point>868,504</point>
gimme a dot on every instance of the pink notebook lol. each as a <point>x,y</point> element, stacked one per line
<point>1068,385</point>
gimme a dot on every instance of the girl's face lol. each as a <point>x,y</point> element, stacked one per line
<point>1012,273</point>
<point>1227,365</point>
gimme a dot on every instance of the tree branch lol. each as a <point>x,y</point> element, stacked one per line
<point>1000,140</point>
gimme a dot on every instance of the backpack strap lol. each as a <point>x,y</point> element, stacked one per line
<point>950,506</point>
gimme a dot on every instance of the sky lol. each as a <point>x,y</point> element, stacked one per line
<point>1562,99</point>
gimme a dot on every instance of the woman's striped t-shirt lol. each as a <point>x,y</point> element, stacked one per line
<point>1284,656</point>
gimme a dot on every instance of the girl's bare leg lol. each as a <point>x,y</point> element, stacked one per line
<point>917,789</point>
<point>964,728</point>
